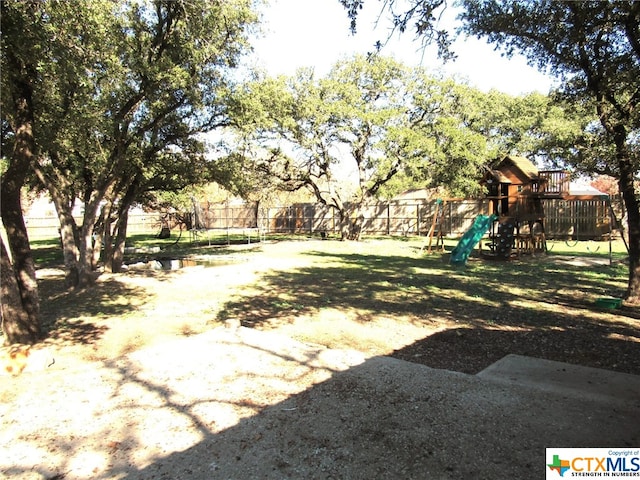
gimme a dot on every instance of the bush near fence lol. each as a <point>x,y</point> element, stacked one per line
<point>582,219</point>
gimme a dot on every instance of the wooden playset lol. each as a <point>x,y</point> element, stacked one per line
<point>516,192</point>
<point>516,196</point>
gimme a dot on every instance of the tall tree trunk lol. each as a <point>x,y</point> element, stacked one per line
<point>351,222</point>
<point>18,319</point>
<point>107,242</point>
<point>116,257</point>
<point>356,225</point>
<point>86,276</point>
<point>98,237</point>
<point>85,258</point>
<point>120,241</point>
<point>345,224</point>
<point>20,303</point>
<point>633,216</point>
<point>69,239</point>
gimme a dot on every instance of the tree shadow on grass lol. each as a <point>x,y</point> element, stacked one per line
<point>378,420</point>
<point>530,308</point>
<point>70,316</point>
<point>424,287</point>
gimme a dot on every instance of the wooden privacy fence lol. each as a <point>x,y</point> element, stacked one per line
<point>577,219</point>
<point>581,219</point>
<point>383,218</point>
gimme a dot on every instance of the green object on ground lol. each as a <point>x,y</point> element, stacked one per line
<point>607,302</point>
<point>471,238</point>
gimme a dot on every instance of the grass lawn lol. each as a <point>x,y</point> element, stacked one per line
<point>381,296</point>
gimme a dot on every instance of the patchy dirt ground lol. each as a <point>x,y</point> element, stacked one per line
<point>106,341</point>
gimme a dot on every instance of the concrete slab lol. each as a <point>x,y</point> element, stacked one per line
<point>565,379</point>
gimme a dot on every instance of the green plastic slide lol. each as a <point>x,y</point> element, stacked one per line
<point>470,239</point>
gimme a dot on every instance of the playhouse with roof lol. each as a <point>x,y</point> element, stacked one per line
<point>517,192</point>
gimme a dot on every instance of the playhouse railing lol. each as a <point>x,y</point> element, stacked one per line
<point>552,183</point>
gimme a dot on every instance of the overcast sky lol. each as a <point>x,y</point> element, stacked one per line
<point>315,33</point>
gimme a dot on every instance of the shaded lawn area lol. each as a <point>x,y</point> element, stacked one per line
<point>83,317</point>
<point>465,317</point>
<point>534,307</point>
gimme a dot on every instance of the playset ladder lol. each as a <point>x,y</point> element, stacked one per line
<point>436,225</point>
